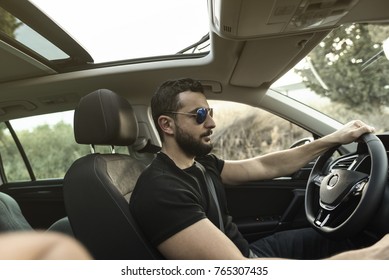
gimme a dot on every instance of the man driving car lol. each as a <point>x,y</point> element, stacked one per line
<point>179,200</point>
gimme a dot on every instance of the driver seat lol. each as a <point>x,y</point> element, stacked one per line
<point>97,186</point>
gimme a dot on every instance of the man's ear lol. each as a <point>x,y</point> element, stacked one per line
<point>166,124</point>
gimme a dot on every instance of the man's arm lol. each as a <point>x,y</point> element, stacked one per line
<point>286,162</point>
<point>200,241</point>
<point>204,241</point>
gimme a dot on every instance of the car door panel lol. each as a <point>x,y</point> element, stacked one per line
<point>264,207</point>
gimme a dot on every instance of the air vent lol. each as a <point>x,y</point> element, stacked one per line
<point>343,163</point>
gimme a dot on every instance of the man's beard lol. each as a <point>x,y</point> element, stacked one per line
<point>192,146</point>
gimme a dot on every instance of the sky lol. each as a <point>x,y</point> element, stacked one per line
<point>118,29</point>
<point>31,122</point>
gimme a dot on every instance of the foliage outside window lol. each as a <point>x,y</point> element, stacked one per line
<point>8,23</point>
<point>11,159</point>
<point>50,149</point>
<point>347,75</point>
<point>243,131</point>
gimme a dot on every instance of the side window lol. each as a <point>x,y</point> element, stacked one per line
<point>243,131</point>
<point>13,167</point>
<point>49,145</point>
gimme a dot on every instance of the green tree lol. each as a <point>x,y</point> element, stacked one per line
<point>13,165</point>
<point>346,68</point>
<point>51,149</point>
<point>8,23</point>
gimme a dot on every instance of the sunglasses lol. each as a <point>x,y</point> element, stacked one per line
<point>200,115</point>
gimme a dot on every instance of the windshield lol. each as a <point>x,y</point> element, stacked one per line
<point>346,76</point>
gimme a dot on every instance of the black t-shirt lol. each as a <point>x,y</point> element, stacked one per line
<point>167,199</point>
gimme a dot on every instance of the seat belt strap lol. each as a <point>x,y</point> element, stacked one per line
<point>211,188</point>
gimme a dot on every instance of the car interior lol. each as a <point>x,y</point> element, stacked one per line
<point>248,47</point>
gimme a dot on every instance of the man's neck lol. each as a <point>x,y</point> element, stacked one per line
<point>179,158</point>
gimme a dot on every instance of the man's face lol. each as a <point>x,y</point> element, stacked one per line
<point>193,138</point>
<point>192,145</point>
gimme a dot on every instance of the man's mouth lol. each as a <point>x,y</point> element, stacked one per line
<point>207,135</point>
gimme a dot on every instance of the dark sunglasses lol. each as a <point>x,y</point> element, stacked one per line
<point>200,115</point>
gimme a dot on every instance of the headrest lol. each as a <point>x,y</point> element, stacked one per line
<point>105,118</point>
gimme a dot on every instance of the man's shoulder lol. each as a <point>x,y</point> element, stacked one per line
<point>211,161</point>
<point>161,163</point>
<point>160,168</point>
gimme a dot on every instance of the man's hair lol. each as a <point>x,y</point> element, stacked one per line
<point>165,99</point>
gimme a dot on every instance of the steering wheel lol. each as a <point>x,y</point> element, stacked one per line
<point>339,203</point>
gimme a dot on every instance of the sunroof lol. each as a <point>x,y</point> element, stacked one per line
<point>127,29</point>
<point>16,29</point>
<point>27,36</point>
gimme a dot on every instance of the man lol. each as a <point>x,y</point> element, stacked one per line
<point>179,215</point>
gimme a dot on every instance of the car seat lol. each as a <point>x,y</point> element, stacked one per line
<point>97,187</point>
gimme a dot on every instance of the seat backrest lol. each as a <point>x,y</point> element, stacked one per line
<point>97,186</point>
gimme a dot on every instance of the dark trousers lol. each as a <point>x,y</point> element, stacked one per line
<point>303,244</point>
